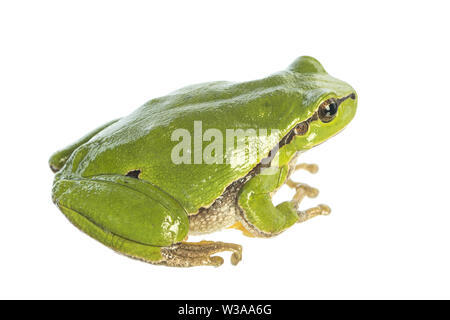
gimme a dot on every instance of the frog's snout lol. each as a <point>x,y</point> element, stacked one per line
<point>53,168</point>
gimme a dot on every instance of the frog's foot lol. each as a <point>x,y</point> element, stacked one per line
<point>190,254</point>
<point>310,167</point>
<point>301,191</point>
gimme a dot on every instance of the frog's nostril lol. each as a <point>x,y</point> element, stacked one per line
<point>350,96</point>
<point>134,174</point>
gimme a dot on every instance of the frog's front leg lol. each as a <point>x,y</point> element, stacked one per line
<point>258,214</point>
<point>135,218</point>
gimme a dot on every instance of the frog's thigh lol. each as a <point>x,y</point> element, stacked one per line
<point>137,219</point>
<point>147,253</point>
<point>126,214</point>
<point>59,158</point>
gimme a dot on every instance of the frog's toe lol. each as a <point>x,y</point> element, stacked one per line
<point>301,191</point>
<point>310,167</point>
<point>190,254</point>
<point>320,210</point>
<point>236,257</point>
<point>309,191</point>
<point>216,261</point>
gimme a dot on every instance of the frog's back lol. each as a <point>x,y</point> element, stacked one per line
<point>143,140</point>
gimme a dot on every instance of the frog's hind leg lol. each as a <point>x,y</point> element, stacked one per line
<point>190,254</point>
<point>137,219</point>
<point>59,158</point>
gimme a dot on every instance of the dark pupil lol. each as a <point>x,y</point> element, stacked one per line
<point>332,108</point>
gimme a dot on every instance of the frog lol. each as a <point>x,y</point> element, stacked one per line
<point>121,185</point>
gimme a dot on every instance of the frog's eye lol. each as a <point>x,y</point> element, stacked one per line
<point>328,110</point>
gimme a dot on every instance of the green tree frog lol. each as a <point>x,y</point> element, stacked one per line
<point>143,183</point>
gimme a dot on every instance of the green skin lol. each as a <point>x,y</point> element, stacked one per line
<point>139,217</point>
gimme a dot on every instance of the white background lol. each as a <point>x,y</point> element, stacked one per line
<point>67,67</point>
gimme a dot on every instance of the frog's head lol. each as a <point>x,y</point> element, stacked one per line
<point>327,104</point>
